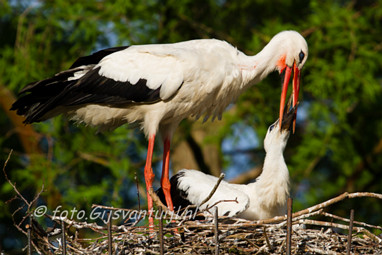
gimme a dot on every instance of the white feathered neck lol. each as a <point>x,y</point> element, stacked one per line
<point>269,193</point>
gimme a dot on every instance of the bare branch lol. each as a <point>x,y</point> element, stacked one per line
<point>341,226</point>
<point>9,181</point>
<point>336,200</point>
<point>347,220</point>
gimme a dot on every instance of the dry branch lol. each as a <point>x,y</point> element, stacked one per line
<point>221,177</point>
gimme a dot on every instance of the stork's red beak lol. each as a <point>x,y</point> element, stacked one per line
<point>296,89</point>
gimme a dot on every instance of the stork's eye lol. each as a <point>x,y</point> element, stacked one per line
<point>301,56</point>
<point>271,127</point>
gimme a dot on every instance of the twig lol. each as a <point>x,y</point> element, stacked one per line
<point>320,206</point>
<point>130,214</point>
<point>324,252</point>
<point>221,177</point>
<point>161,245</point>
<point>9,181</point>
<point>308,215</point>
<point>341,226</point>
<point>76,251</point>
<point>29,227</point>
<point>289,226</point>
<point>347,220</point>
<point>19,196</point>
<point>336,200</point>
<point>221,201</point>
<point>63,239</point>
<point>348,247</point>
<point>365,194</point>
<point>78,225</point>
<point>216,231</point>
<point>112,208</point>
<point>109,236</point>
<point>159,203</point>
<point>137,184</point>
<point>267,239</point>
<point>325,204</point>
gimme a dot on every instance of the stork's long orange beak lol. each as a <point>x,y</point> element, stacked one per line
<point>295,91</point>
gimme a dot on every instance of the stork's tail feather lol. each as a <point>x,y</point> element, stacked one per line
<point>38,98</point>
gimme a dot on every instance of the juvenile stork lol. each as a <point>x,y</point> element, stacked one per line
<point>156,86</point>
<point>264,198</point>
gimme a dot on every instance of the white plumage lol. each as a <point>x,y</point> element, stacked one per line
<point>190,76</point>
<point>156,86</point>
<point>197,186</point>
<point>262,199</point>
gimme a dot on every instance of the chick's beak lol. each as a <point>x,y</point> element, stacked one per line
<point>295,91</point>
<point>288,118</point>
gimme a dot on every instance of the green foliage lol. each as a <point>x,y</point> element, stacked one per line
<point>338,143</point>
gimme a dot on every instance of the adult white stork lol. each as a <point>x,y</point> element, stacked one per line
<point>262,199</point>
<point>156,86</point>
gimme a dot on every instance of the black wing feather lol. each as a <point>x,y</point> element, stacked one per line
<point>41,97</point>
<point>97,89</point>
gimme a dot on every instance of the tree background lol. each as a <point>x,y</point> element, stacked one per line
<point>337,146</point>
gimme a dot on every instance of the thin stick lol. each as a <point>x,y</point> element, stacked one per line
<point>348,248</point>
<point>289,226</point>
<point>216,232</point>
<point>341,226</point>
<point>161,244</point>
<point>365,194</point>
<point>222,201</point>
<point>112,208</point>
<point>159,203</point>
<point>267,240</point>
<point>63,240</point>
<point>221,177</point>
<point>131,213</point>
<point>19,196</point>
<point>29,236</point>
<point>13,184</point>
<point>137,184</point>
<point>109,236</point>
<point>320,206</point>
<point>5,164</point>
<point>347,220</point>
<point>336,200</point>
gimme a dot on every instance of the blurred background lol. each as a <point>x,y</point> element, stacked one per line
<point>337,146</point>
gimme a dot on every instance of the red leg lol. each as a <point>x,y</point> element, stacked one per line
<point>165,182</point>
<point>149,177</point>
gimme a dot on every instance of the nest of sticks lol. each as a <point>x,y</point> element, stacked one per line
<point>207,236</point>
<point>309,231</point>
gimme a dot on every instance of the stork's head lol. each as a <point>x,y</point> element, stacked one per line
<point>278,133</point>
<point>292,53</point>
